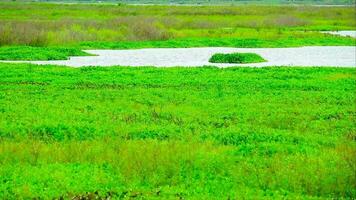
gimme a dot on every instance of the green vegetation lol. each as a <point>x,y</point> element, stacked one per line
<point>236,58</point>
<point>91,26</point>
<point>55,53</point>
<point>169,133</point>
<point>39,53</point>
<point>211,2</point>
<point>173,133</point>
<point>40,24</point>
<point>310,39</point>
<point>232,2</point>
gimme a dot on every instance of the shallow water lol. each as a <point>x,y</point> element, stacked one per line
<point>333,56</point>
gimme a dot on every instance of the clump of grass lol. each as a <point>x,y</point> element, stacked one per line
<point>39,53</point>
<point>240,58</point>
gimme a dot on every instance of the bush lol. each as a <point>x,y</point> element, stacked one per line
<point>236,58</point>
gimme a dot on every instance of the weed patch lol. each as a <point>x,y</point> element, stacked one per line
<point>240,58</point>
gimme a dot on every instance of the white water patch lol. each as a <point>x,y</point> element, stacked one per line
<point>342,33</point>
<point>325,56</point>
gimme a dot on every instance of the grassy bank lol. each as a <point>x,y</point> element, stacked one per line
<point>313,39</point>
<point>62,53</point>
<point>39,53</point>
<point>177,132</point>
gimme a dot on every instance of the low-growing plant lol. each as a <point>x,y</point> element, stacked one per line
<point>167,133</point>
<point>239,58</point>
<point>39,53</point>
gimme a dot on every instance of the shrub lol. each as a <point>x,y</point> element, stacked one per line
<point>236,58</point>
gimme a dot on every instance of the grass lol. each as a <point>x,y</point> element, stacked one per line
<point>173,133</point>
<point>56,53</point>
<point>42,24</point>
<point>62,30</point>
<point>312,39</point>
<point>166,133</point>
<point>218,2</point>
<point>39,53</point>
<point>236,58</point>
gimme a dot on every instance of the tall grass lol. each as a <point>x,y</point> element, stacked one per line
<point>48,24</point>
<point>173,168</point>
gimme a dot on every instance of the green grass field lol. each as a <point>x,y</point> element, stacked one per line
<point>173,133</point>
<point>170,133</point>
<point>40,24</point>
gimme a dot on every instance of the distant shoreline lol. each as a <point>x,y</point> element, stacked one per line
<point>189,4</point>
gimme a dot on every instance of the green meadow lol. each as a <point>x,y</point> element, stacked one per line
<point>173,133</point>
<point>170,133</point>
